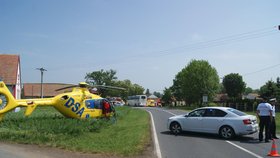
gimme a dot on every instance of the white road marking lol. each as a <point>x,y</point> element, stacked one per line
<point>162,110</point>
<point>249,152</point>
<point>169,112</point>
<point>157,148</point>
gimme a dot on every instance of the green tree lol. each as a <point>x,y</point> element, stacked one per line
<point>248,90</point>
<point>167,96</point>
<point>221,88</point>
<point>108,78</point>
<point>278,82</point>
<point>198,78</point>
<point>269,90</point>
<point>158,94</point>
<point>177,87</point>
<point>131,89</point>
<point>101,77</point>
<point>136,89</point>
<point>234,85</point>
<point>148,92</point>
<point>277,89</point>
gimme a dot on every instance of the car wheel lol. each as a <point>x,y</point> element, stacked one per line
<point>226,132</point>
<point>175,128</point>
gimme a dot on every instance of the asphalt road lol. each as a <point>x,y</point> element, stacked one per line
<point>199,145</point>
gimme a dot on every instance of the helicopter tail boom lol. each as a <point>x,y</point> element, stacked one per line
<point>8,102</point>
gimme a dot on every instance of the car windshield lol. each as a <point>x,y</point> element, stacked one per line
<point>237,112</point>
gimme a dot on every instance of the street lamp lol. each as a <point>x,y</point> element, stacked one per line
<point>42,72</point>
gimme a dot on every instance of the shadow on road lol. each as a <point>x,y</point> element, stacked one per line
<point>250,139</point>
<point>246,139</point>
<point>193,134</point>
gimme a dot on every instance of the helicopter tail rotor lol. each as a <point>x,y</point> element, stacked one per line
<point>7,100</point>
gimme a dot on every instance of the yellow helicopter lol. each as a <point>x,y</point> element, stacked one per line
<point>79,103</point>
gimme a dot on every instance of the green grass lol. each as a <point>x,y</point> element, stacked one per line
<point>127,136</point>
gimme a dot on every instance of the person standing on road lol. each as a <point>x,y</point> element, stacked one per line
<point>273,123</point>
<point>264,112</point>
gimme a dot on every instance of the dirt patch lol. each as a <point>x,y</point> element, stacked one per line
<point>35,151</point>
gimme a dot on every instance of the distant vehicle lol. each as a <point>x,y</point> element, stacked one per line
<point>225,121</point>
<point>151,103</point>
<point>118,103</point>
<point>137,100</point>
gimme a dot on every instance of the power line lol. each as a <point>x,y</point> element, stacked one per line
<point>215,42</point>
<point>260,33</point>
<point>270,67</point>
<point>220,43</point>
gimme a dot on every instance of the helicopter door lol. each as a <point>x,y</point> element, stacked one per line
<point>90,104</point>
<point>94,103</point>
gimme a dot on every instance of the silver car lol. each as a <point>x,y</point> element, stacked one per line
<point>225,121</point>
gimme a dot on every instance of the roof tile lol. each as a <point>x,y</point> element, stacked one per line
<point>49,89</point>
<point>8,68</point>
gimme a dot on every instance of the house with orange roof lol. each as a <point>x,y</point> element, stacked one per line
<point>33,90</point>
<point>10,73</point>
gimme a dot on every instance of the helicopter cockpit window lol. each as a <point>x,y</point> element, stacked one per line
<point>90,104</point>
<point>95,103</point>
<point>98,103</point>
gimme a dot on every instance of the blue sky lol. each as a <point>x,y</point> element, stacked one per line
<point>145,41</point>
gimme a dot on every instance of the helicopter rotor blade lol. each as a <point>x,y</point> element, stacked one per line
<point>85,85</point>
<point>72,86</point>
<point>109,87</point>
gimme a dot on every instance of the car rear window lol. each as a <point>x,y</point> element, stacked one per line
<point>237,112</point>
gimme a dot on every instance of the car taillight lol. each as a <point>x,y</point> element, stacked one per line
<point>247,121</point>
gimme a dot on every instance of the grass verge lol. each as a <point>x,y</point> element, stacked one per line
<point>127,136</point>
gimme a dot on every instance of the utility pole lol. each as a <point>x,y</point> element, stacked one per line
<point>42,73</point>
